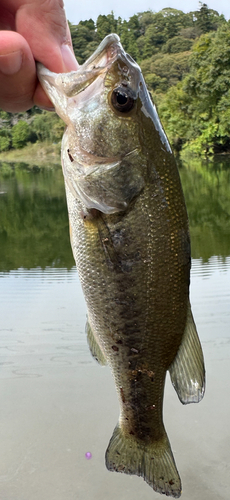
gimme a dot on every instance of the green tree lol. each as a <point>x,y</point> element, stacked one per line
<point>201,102</point>
<point>20,134</point>
<point>5,139</point>
<point>82,35</point>
<point>177,44</point>
<point>34,220</point>
<point>5,130</point>
<point>106,25</point>
<point>161,43</point>
<point>153,40</point>
<point>145,19</point>
<point>164,70</point>
<point>5,117</point>
<point>48,126</point>
<point>204,20</point>
<point>134,26</point>
<point>175,110</point>
<point>89,23</point>
<point>207,19</point>
<point>128,41</point>
<point>157,28</point>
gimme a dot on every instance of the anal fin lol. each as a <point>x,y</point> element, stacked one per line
<point>187,371</point>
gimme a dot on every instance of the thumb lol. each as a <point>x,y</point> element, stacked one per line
<point>45,28</point>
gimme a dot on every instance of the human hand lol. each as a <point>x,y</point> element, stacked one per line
<point>31,30</point>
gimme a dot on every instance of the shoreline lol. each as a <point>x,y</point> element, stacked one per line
<point>45,153</point>
<point>39,153</point>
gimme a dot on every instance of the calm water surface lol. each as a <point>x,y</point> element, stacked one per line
<point>56,403</point>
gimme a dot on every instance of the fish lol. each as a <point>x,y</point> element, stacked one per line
<point>130,239</point>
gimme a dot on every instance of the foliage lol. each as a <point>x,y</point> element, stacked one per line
<point>185,59</point>
<point>5,139</point>
<point>197,111</point>
<point>20,134</point>
<point>206,186</point>
<point>207,19</point>
<point>177,44</point>
<point>34,222</point>
<point>106,25</point>
<point>164,70</point>
<point>48,126</point>
<point>82,35</point>
<point>129,41</point>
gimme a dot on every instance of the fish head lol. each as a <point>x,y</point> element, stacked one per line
<point>106,107</point>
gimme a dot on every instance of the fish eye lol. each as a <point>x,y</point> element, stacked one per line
<point>123,99</point>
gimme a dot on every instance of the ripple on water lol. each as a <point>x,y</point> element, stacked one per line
<point>210,297</point>
<point>42,313</point>
<point>43,310</point>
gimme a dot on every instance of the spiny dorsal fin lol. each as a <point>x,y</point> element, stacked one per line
<point>187,371</point>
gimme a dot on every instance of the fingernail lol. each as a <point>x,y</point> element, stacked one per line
<point>69,59</point>
<point>11,63</point>
<point>47,108</point>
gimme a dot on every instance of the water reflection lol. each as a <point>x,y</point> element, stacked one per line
<point>33,222</point>
<point>207,192</point>
<point>56,403</point>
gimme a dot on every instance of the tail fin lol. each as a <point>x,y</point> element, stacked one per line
<point>153,461</point>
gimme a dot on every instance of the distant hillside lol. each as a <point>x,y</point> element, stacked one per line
<point>185,59</point>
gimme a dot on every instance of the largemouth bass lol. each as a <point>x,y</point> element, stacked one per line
<point>130,239</point>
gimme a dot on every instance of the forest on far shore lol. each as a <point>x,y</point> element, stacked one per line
<point>185,59</point>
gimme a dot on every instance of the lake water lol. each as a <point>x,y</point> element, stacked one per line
<point>56,403</point>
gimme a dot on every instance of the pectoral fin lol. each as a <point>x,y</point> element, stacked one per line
<point>187,371</point>
<point>94,346</point>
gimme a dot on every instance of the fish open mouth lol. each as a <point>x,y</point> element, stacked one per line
<point>70,84</point>
<point>109,50</point>
<point>106,53</point>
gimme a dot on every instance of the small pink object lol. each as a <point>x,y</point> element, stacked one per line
<point>88,455</point>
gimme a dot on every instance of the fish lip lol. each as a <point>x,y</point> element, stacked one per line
<point>111,41</point>
<point>112,50</point>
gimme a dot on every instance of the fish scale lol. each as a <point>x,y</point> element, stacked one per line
<point>130,240</point>
<point>141,322</point>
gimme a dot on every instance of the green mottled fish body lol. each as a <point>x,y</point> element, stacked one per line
<point>130,239</point>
